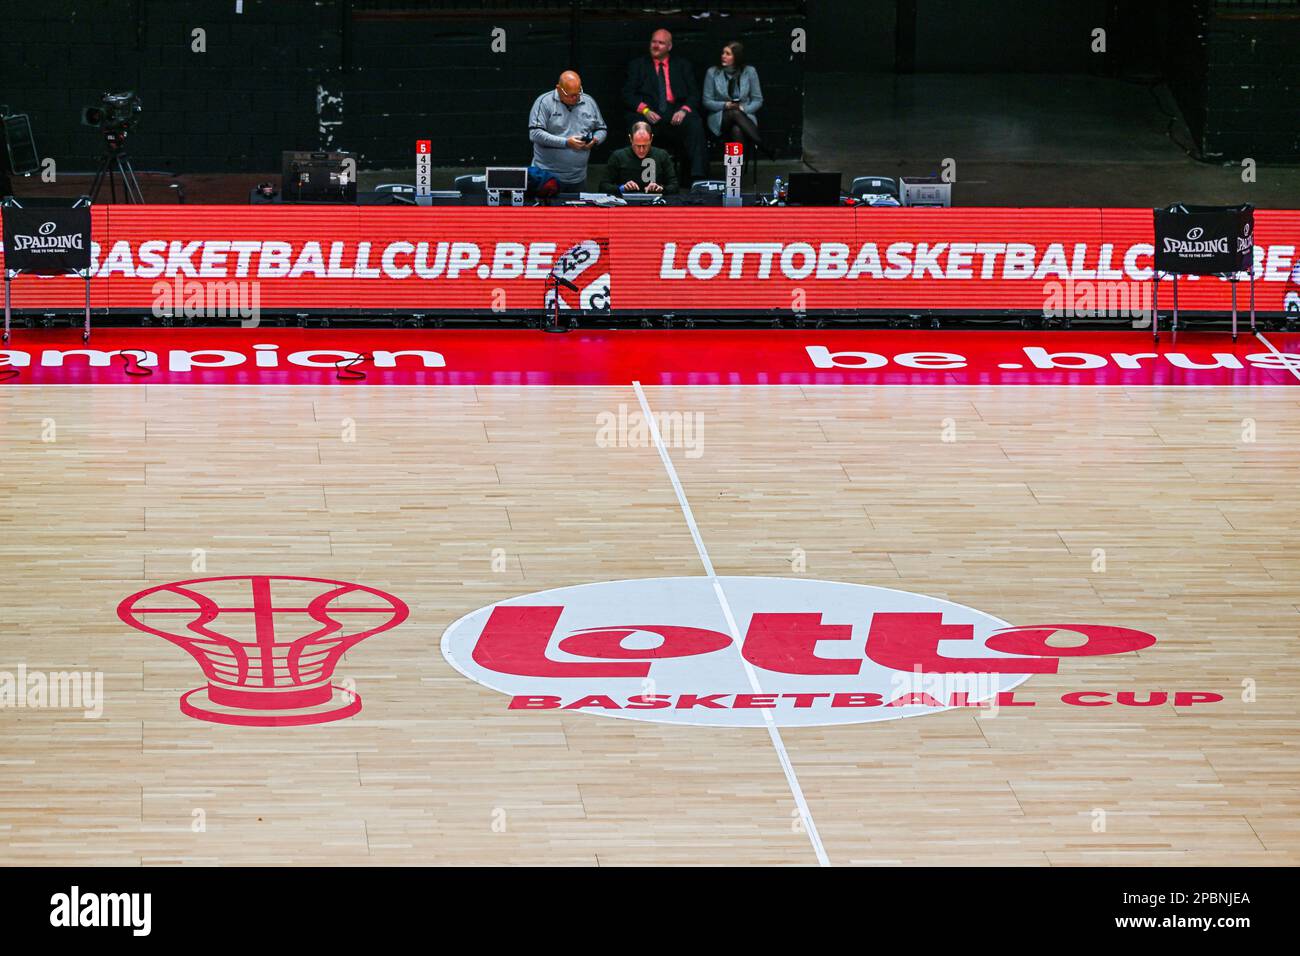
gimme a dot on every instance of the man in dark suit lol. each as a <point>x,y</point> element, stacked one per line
<point>640,167</point>
<point>662,90</point>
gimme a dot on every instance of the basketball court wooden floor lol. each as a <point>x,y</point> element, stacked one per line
<point>1171,510</point>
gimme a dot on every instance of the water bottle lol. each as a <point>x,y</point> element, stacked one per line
<point>776,189</point>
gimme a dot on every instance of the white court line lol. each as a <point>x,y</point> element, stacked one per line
<point>805,815</point>
<point>1272,348</point>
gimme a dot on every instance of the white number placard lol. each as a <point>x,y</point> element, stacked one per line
<point>423,167</point>
<point>734,158</point>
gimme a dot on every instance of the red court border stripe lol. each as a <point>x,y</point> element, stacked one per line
<point>512,357</point>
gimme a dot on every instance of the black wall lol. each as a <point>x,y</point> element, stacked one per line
<point>856,37</point>
<point>1233,70</point>
<point>955,36</point>
<point>1233,65</point>
<point>1252,87</point>
<point>388,72</point>
<point>252,93</point>
<point>1007,36</point>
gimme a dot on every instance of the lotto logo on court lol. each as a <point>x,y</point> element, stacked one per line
<point>743,651</point>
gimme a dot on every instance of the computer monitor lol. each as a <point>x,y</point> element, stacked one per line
<point>813,189</point>
<point>507,177</point>
<point>506,185</point>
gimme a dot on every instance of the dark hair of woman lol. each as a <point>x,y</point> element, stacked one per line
<point>738,55</point>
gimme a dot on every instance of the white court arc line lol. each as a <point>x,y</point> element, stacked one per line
<point>773,732</point>
<point>1273,348</point>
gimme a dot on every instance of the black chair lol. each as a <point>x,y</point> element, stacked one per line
<point>472,185</point>
<point>708,187</point>
<point>874,186</point>
<point>681,162</point>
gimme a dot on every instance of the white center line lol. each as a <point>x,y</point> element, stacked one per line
<point>805,815</point>
<point>1272,348</point>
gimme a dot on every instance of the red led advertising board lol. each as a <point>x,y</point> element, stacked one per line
<point>665,259</point>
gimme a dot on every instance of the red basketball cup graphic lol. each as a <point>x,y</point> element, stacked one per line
<point>269,654</point>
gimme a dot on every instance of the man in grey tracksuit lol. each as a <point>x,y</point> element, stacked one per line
<point>564,125</point>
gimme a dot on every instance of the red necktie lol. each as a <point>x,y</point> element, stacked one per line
<point>668,84</point>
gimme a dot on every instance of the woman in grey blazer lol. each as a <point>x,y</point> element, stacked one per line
<point>732,97</point>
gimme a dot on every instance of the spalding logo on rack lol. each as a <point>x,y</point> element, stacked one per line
<point>1195,246</point>
<point>753,650</point>
<point>46,241</point>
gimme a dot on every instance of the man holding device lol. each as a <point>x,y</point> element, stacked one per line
<point>564,125</point>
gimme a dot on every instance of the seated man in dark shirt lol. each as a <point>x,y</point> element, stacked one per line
<point>640,167</point>
<point>662,90</point>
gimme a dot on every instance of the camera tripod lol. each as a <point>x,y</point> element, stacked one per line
<point>115,158</point>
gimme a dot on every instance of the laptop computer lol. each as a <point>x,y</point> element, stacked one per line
<point>813,189</point>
